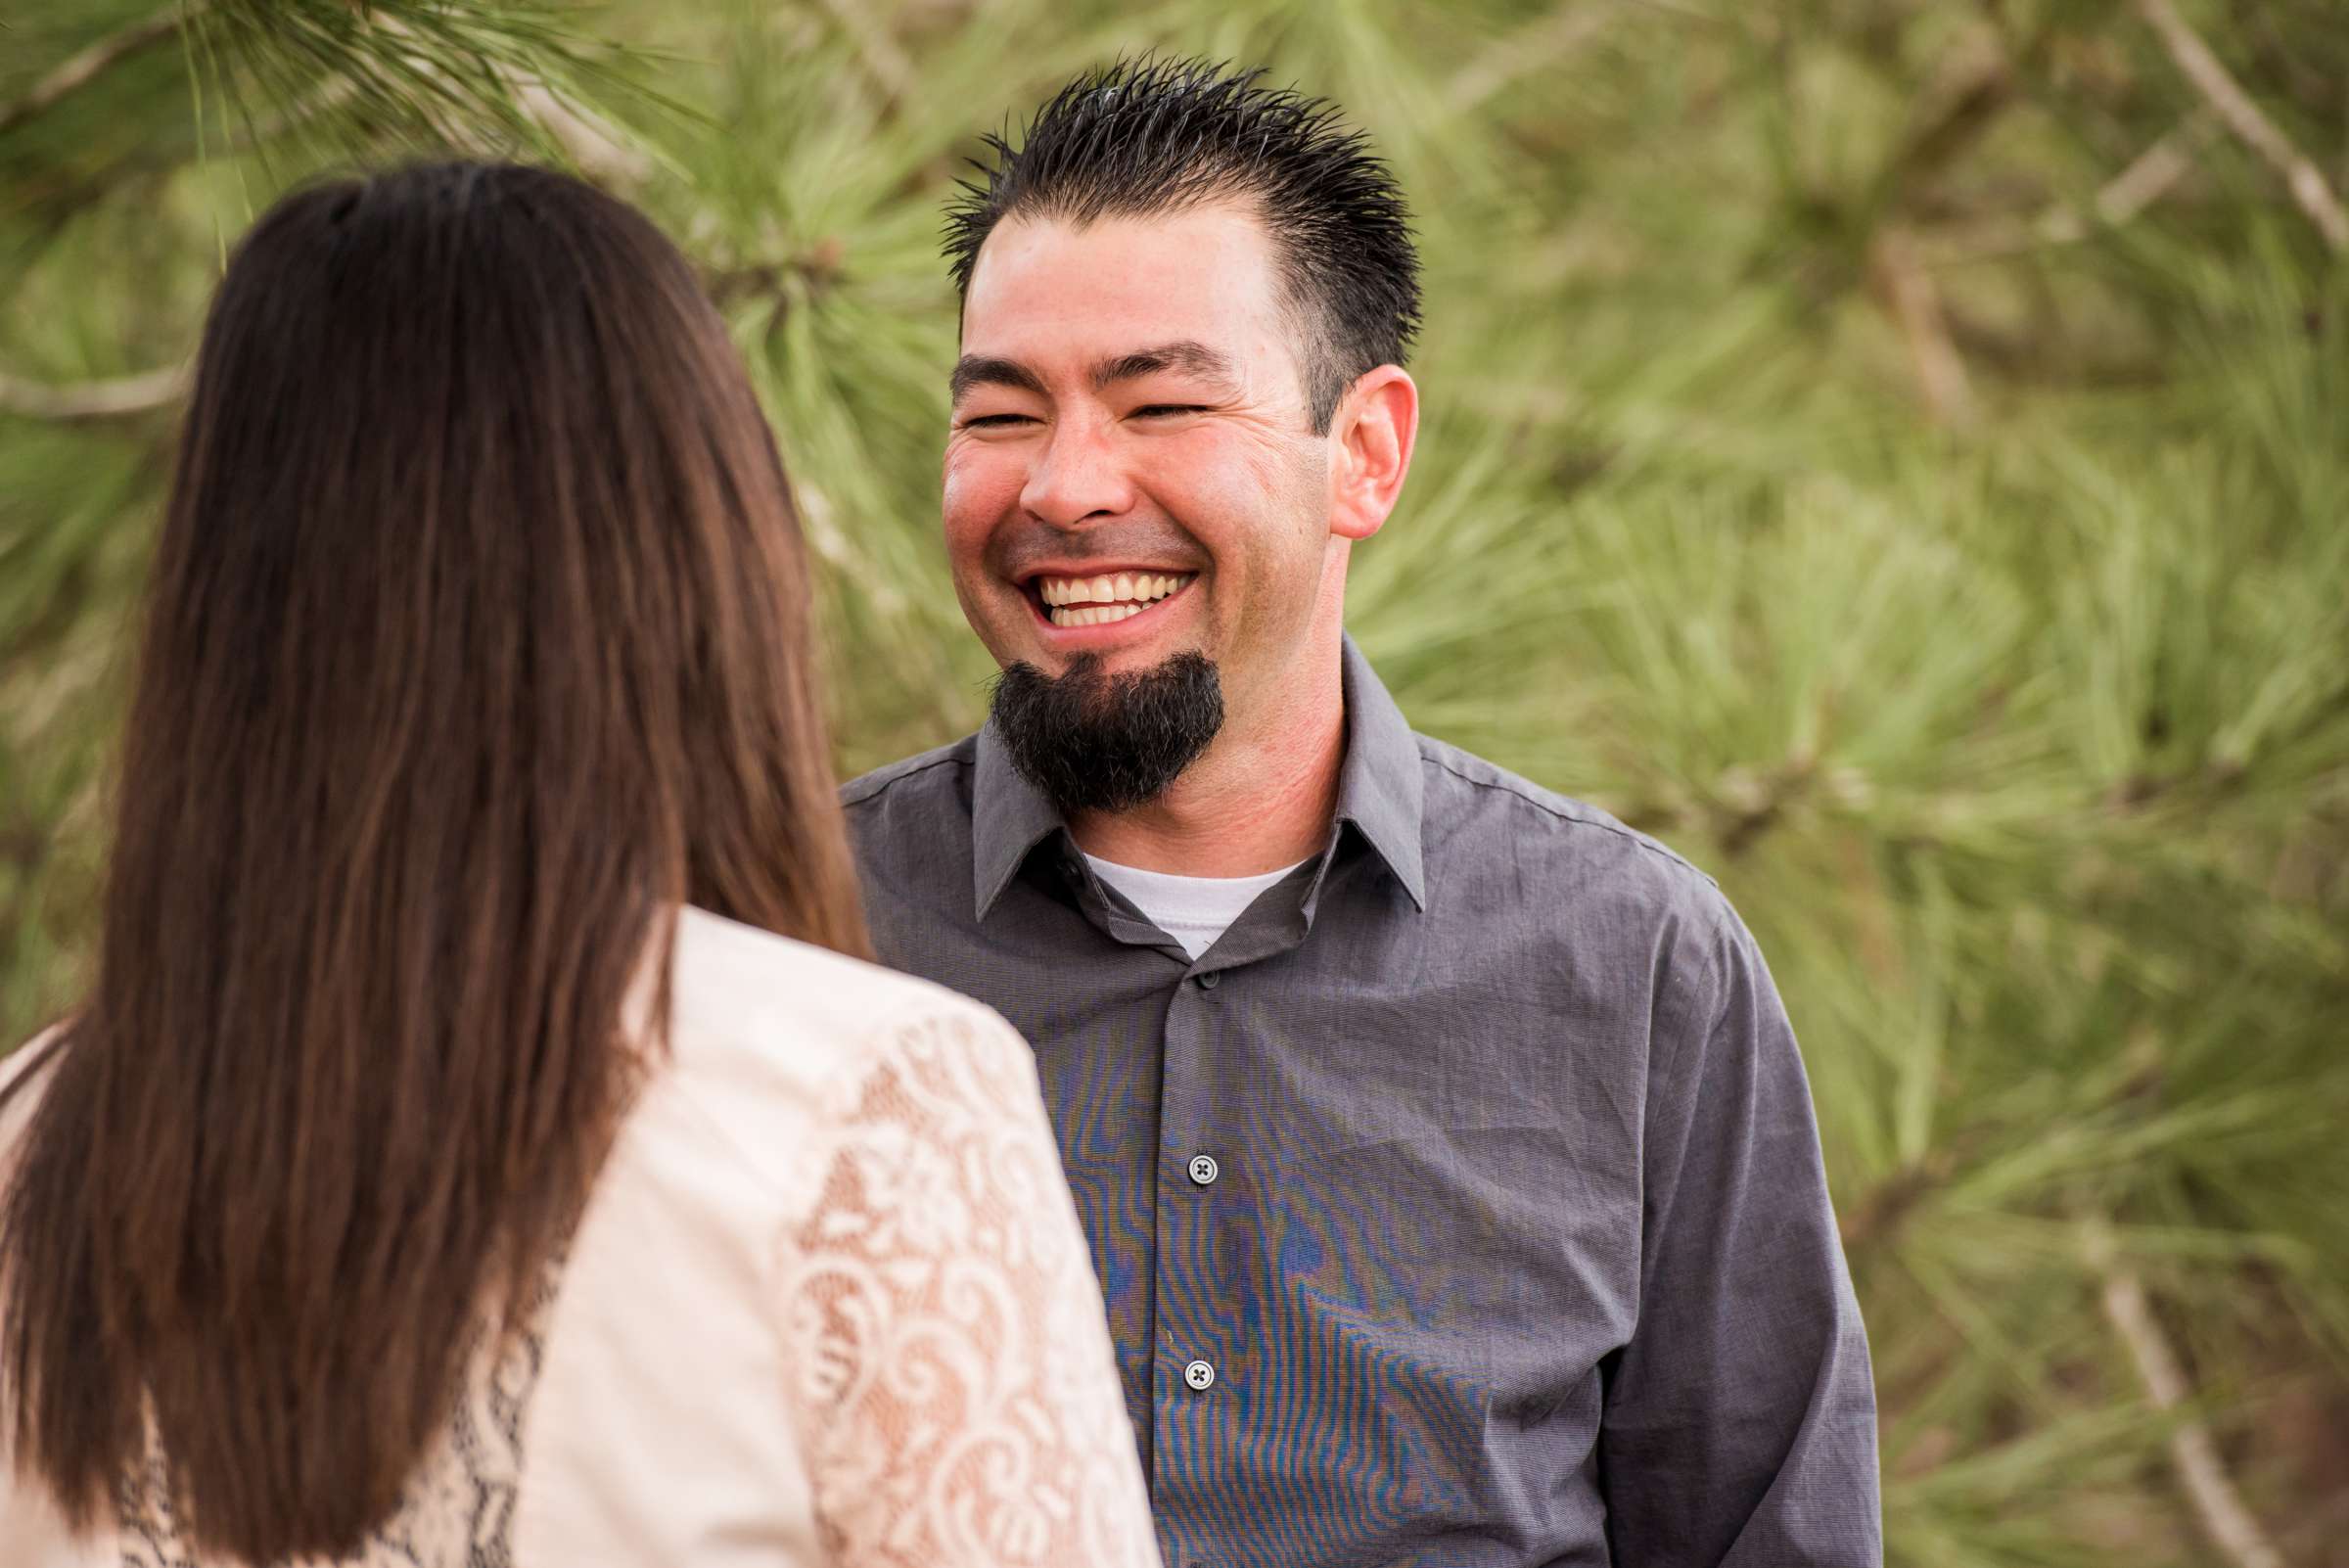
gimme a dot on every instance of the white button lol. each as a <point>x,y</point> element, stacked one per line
<point>1204,1170</point>
<point>1199,1375</point>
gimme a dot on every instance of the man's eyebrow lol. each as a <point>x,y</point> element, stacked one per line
<point>977,370</point>
<point>1193,359</point>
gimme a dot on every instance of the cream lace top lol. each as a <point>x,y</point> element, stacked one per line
<point>828,1304</point>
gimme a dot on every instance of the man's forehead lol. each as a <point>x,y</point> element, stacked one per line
<point>1045,288</point>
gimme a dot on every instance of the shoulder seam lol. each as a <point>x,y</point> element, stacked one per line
<point>874,784</point>
<point>1627,834</point>
<point>916,1010</point>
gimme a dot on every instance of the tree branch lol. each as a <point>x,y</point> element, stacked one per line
<point>91,399</point>
<point>2218,1507</point>
<point>2150,177</point>
<point>1915,304</point>
<point>593,146</point>
<point>78,73</point>
<point>2245,117</point>
<point>591,143</point>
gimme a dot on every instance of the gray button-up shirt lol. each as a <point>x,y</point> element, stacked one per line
<point>1516,1249</point>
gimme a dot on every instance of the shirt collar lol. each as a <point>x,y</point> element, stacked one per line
<point>1009,818</point>
<point>1379,791</point>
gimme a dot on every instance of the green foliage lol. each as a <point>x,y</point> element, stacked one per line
<point>1894,452</point>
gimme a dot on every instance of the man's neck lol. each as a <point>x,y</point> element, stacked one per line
<point>1255,802</point>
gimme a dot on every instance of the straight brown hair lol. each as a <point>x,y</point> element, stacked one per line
<point>478,640</point>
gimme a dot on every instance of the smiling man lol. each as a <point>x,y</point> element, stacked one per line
<point>1445,1155</point>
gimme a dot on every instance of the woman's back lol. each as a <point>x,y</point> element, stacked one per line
<point>827,1303</point>
<point>481,1136</point>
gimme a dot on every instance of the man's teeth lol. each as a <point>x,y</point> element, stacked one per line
<point>1097,601</point>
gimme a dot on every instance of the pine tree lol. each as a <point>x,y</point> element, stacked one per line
<point>1896,453</point>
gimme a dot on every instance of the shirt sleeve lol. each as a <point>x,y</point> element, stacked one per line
<point>950,1361</point>
<point>1739,1428</point>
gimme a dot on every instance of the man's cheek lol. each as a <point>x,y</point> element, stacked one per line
<point>977,489</point>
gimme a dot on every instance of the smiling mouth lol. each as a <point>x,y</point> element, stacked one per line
<point>1099,600</point>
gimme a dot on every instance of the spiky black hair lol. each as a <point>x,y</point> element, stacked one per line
<point>1154,135</point>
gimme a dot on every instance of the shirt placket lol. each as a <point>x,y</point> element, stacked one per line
<point>1194,1377</point>
<point>1197,1367</point>
<point>1202,1368</point>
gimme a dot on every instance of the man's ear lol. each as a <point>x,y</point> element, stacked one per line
<point>1372,432</point>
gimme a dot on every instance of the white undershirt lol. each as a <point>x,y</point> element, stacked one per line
<point>1193,911</point>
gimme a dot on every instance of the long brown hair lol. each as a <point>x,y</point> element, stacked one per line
<point>478,640</point>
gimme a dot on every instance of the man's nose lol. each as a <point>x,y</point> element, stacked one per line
<point>1077,474</point>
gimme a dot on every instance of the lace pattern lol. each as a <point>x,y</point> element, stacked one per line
<point>948,1370</point>
<point>952,1369</point>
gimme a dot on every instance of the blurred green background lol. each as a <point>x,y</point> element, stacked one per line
<point>1897,454</point>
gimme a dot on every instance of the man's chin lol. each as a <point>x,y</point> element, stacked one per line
<point>1093,737</point>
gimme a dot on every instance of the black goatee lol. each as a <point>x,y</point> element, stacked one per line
<point>1091,741</point>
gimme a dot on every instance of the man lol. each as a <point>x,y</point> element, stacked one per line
<point>1445,1155</point>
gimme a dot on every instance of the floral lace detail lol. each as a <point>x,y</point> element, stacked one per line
<point>457,1510</point>
<point>944,1330</point>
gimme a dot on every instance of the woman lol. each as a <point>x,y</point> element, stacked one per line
<point>482,1141</point>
